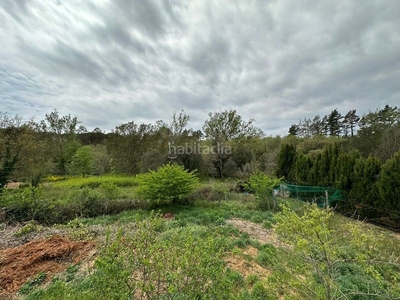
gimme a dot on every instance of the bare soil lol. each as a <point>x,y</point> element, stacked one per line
<point>257,232</point>
<point>244,266</point>
<point>48,255</point>
<point>13,185</point>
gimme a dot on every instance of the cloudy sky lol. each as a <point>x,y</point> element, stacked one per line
<point>277,61</point>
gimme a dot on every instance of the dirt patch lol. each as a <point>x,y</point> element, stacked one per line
<point>48,255</point>
<point>13,185</point>
<point>257,232</point>
<point>246,267</point>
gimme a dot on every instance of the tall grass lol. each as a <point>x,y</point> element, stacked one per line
<point>94,182</point>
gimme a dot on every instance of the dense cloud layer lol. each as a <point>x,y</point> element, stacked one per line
<point>113,61</point>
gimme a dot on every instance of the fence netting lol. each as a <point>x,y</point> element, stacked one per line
<point>320,195</point>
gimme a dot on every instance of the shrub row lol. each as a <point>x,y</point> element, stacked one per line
<point>41,205</point>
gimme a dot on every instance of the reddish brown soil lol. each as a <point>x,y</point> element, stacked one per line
<point>49,255</point>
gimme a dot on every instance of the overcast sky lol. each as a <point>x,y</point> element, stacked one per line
<point>114,61</point>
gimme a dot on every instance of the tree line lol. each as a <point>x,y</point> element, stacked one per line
<point>61,145</point>
<point>356,154</point>
<point>364,165</point>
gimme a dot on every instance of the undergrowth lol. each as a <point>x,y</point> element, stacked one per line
<point>178,251</point>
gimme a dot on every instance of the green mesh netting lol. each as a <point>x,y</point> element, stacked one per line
<point>316,194</point>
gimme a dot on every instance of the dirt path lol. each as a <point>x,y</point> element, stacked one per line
<point>257,232</point>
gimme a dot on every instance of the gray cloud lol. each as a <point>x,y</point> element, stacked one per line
<point>110,62</point>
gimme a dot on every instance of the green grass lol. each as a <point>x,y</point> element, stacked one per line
<point>201,223</point>
<point>93,181</point>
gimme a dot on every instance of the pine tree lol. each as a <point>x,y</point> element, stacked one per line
<point>317,127</point>
<point>344,175</point>
<point>334,123</point>
<point>303,167</point>
<point>350,122</point>
<point>294,130</point>
<point>365,177</point>
<point>388,184</point>
<point>286,160</point>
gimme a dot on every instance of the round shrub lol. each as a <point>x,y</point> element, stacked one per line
<point>170,183</point>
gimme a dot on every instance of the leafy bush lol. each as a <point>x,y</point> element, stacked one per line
<point>326,251</point>
<point>169,183</point>
<point>261,185</point>
<point>49,205</point>
<point>31,226</point>
<point>110,190</point>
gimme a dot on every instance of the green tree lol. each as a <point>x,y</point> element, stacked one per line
<point>170,183</point>
<point>323,249</point>
<point>184,141</point>
<point>152,160</point>
<point>21,151</point>
<point>262,185</point>
<point>388,183</point>
<point>266,152</point>
<point>177,127</point>
<point>334,123</point>
<point>350,122</point>
<point>102,161</point>
<point>344,170</point>
<point>365,178</point>
<point>294,129</point>
<point>222,127</point>
<point>379,133</point>
<point>389,142</point>
<point>303,167</point>
<point>286,161</point>
<point>95,137</point>
<point>317,126</point>
<point>127,144</point>
<point>82,161</point>
<point>61,138</point>
<point>8,157</point>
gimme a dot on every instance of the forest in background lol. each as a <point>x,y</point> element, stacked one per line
<point>357,154</point>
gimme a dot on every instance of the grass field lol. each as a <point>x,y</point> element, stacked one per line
<point>216,245</point>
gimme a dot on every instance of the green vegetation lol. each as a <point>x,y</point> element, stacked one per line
<point>342,257</point>
<point>262,186</point>
<point>30,285</point>
<point>148,255</point>
<point>170,183</point>
<point>83,182</point>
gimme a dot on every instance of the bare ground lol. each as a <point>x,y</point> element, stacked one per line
<point>257,232</point>
<point>245,267</point>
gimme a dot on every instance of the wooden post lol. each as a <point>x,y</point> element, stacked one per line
<point>326,199</point>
